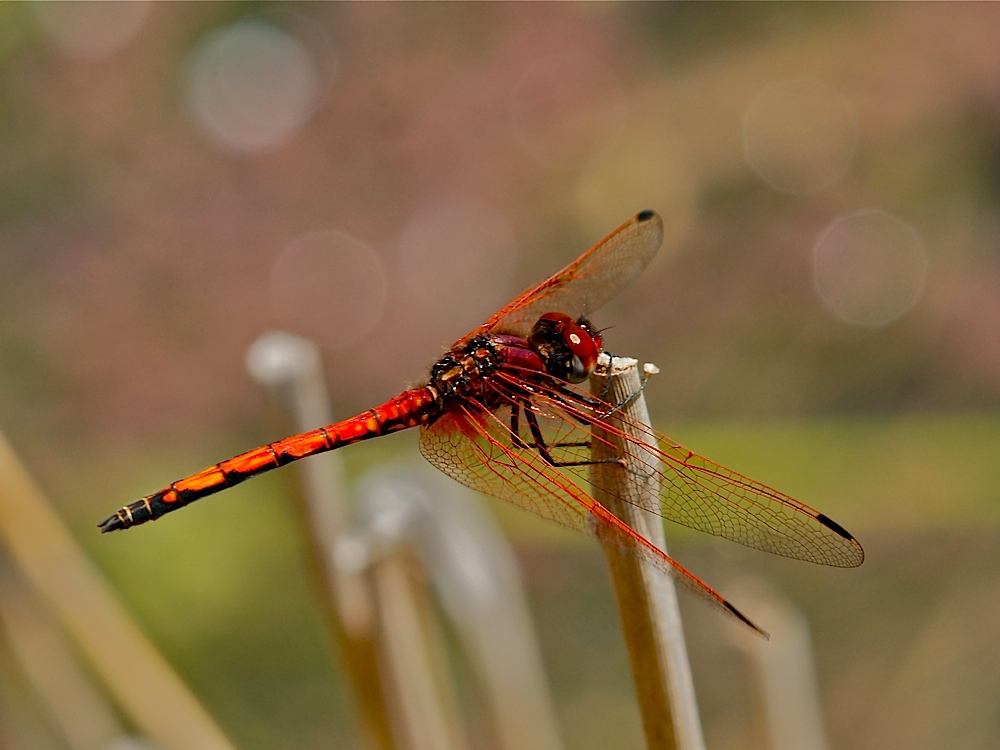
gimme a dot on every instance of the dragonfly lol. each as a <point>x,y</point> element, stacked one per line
<point>504,412</point>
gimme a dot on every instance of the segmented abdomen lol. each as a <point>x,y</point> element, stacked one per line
<point>408,409</point>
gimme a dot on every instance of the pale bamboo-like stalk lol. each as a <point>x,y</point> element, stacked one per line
<point>378,608</point>
<point>77,706</point>
<point>289,367</point>
<point>426,708</point>
<point>785,668</point>
<point>478,584</point>
<point>647,599</point>
<point>143,684</point>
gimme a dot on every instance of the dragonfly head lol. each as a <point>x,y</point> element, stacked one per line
<point>568,347</point>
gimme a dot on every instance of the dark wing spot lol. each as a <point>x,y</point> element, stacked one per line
<point>831,524</point>
<point>746,621</point>
<point>645,215</point>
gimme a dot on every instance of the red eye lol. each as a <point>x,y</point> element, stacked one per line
<point>568,348</point>
<point>585,348</point>
<point>587,326</point>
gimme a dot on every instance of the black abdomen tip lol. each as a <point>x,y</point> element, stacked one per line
<point>645,215</point>
<point>111,523</point>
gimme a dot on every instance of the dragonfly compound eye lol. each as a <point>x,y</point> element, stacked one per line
<point>568,348</point>
<point>584,348</point>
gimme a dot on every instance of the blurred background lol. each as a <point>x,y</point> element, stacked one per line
<point>176,179</point>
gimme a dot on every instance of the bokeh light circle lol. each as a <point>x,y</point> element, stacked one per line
<point>800,135</point>
<point>869,267</point>
<point>567,109</point>
<point>252,86</point>
<point>92,30</point>
<point>330,287</point>
<point>277,357</point>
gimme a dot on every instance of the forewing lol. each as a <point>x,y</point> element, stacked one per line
<point>588,282</point>
<point>476,448</point>
<point>699,493</point>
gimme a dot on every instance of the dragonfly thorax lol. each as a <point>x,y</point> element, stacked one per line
<point>464,371</point>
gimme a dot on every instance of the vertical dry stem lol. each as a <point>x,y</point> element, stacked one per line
<point>290,368</point>
<point>647,599</point>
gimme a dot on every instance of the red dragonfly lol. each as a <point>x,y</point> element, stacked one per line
<point>527,361</point>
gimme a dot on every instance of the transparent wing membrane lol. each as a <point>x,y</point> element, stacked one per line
<point>588,282</point>
<point>696,492</point>
<point>475,447</point>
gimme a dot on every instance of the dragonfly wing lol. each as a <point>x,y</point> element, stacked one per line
<point>703,495</point>
<point>696,492</point>
<point>474,446</point>
<point>471,451</point>
<point>588,282</point>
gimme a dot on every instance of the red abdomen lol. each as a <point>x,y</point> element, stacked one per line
<point>408,409</point>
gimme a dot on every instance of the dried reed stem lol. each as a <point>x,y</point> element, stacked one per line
<point>289,367</point>
<point>647,599</point>
<point>141,681</point>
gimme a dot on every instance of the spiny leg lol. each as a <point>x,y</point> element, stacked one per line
<point>570,400</point>
<point>543,449</point>
<point>597,403</point>
<point>515,429</point>
<point>518,442</point>
<point>565,397</point>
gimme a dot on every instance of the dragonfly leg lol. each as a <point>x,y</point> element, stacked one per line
<point>567,398</point>
<point>515,427</point>
<point>625,401</point>
<point>518,442</point>
<point>545,453</point>
<point>598,402</point>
